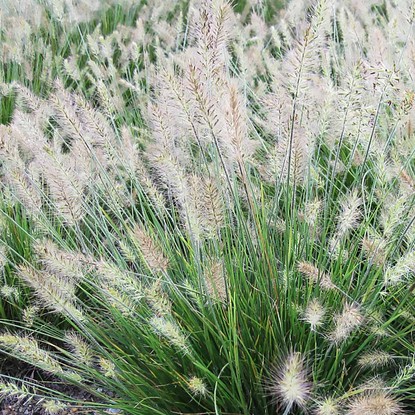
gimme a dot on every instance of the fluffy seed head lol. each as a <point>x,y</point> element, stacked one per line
<point>214,279</point>
<point>377,358</point>
<point>397,273</point>
<point>66,264</point>
<point>9,292</point>
<point>312,211</point>
<point>53,407</point>
<point>407,183</point>
<point>393,211</point>
<point>55,292</point>
<point>150,250</point>
<point>374,249</point>
<point>292,156</point>
<point>210,205</point>
<point>315,275</point>
<point>3,252</point>
<point>157,299</point>
<point>80,348</point>
<point>345,322</point>
<point>117,299</point>
<point>171,332</point>
<point>29,314</point>
<point>28,349</point>
<point>350,214</point>
<point>289,383</point>
<point>374,403</point>
<point>376,323</point>
<point>11,389</point>
<point>197,386</point>
<point>314,313</point>
<point>107,368</point>
<point>127,252</point>
<point>328,406</point>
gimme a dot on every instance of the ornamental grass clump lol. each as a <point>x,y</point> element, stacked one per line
<point>208,212</point>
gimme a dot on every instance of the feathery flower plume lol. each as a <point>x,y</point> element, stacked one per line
<point>29,314</point>
<point>211,207</point>
<point>93,44</point>
<point>375,249</point>
<point>301,62</point>
<point>27,99</point>
<point>377,402</point>
<point>171,332</point>
<point>96,130</point>
<point>6,89</point>
<point>405,264</point>
<point>52,407</point>
<point>376,323</point>
<point>115,280</point>
<point>205,101</point>
<point>336,249</point>
<point>312,211</point>
<point>314,313</point>
<point>197,386</point>
<point>385,169</point>
<point>122,291</point>
<point>109,99</point>
<point>71,68</point>
<point>9,389</point>
<point>64,111</point>
<point>212,32</point>
<point>374,383</point>
<point>241,149</point>
<point>215,281</point>
<point>291,156</point>
<point>28,349</point>
<point>54,292</point>
<point>107,368</point>
<point>80,348</point>
<point>289,384</point>
<point>72,376</point>
<point>405,374</point>
<point>315,275</point>
<point>158,299</point>
<point>27,132</point>
<point>9,292</point>
<point>278,224</point>
<point>407,183</point>
<point>65,184</point>
<point>393,211</point>
<point>129,254</point>
<point>327,406</point>
<point>120,301</point>
<point>350,214</point>
<point>162,130</point>
<point>346,322</point>
<point>24,185</point>
<point>150,250</point>
<point>180,102</point>
<point>375,359</point>
<point>172,174</point>
<point>65,264</point>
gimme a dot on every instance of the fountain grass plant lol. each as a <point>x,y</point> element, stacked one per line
<point>212,214</point>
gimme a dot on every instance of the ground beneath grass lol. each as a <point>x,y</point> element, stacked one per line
<point>34,406</point>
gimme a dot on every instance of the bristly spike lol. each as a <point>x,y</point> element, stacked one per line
<point>350,319</point>
<point>376,402</point>
<point>289,382</point>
